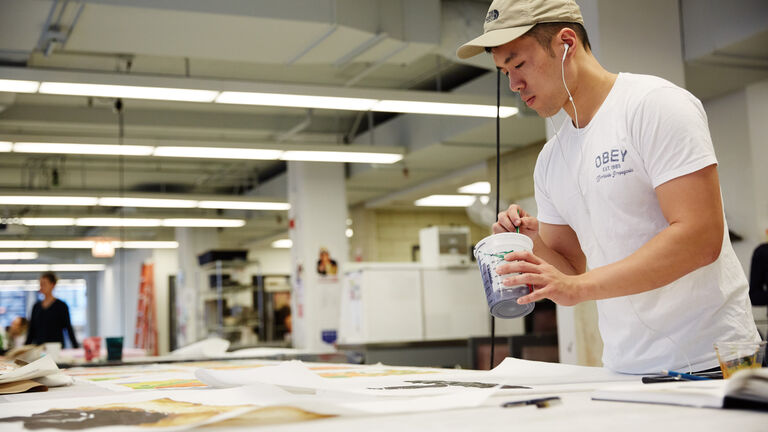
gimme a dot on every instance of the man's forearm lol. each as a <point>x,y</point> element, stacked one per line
<point>565,265</point>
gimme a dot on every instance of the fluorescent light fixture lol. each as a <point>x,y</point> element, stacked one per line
<point>36,268</point>
<point>477,188</point>
<point>148,244</point>
<point>47,221</point>
<point>128,92</point>
<point>71,244</point>
<point>484,199</point>
<point>203,223</point>
<point>282,244</point>
<point>446,201</point>
<point>439,108</point>
<point>217,153</point>
<point>146,202</point>
<point>77,267</point>
<point>244,205</point>
<point>18,86</point>
<point>18,255</point>
<point>48,200</point>
<point>23,244</point>
<point>5,146</point>
<point>340,156</point>
<point>88,244</point>
<point>118,222</point>
<point>296,101</point>
<point>89,149</point>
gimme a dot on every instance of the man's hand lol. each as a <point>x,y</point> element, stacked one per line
<point>515,217</point>
<point>547,281</point>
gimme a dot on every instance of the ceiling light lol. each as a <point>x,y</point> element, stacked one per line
<point>118,222</point>
<point>485,199</point>
<point>282,244</point>
<point>477,188</point>
<point>128,92</point>
<point>47,221</point>
<point>217,153</point>
<point>297,101</point>
<point>89,149</point>
<point>5,146</point>
<point>23,244</point>
<point>145,202</point>
<point>18,255</point>
<point>48,200</point>
<point>349,232</point>
<point>340,156</point>
<point>71,244</point>
<point>37,268</point>
<point>244,205</point>
<point>18,86</point>
<point>439,108</point>
<point>446,201</point>
<point>148,244</point>
<point>203,223</point>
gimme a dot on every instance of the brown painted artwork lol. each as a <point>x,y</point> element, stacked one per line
<point>154,413</point>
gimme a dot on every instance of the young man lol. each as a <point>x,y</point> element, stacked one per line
<point>627,189</point>
<point>50,316</point>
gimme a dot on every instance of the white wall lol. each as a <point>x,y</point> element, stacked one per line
<point>118,295</point>
<point>270,261</point>
<point>738,125</point>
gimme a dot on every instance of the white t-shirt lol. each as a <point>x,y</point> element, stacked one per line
<point>647,131</point>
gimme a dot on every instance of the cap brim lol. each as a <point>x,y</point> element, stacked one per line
<point>490,39</point>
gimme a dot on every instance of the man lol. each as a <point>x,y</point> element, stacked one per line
<point>50,316</point>
<point>627,189</point>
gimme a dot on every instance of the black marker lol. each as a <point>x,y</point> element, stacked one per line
<point>540,402</point>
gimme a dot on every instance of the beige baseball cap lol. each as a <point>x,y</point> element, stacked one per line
<point>507,20</point>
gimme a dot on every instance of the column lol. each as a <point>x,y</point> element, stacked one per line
<point>318,215</point>
<point>190,282</point>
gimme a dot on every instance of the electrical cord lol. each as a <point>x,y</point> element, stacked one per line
<point>498,187</point>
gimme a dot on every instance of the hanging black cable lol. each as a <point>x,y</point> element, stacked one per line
<point>498,186</point>
<point>121,193</point>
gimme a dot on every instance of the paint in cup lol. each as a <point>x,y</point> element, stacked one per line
<point>489,253</point>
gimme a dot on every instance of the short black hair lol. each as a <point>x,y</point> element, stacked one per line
<point>51,276</point>
<point>544,32</point>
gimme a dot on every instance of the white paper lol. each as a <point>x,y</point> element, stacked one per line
<point>36,369</point>
<point>526,372</point>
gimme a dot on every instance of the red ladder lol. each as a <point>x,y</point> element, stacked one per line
<point>146,318</point>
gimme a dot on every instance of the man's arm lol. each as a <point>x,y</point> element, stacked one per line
<point>692,206</point>
<point>559,246</point>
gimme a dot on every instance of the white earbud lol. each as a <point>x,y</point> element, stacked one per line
<point>566,51</point>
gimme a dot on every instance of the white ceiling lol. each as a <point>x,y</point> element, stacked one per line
<point>375,44</point>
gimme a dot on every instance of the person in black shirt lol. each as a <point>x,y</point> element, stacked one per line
<point>50,316</point>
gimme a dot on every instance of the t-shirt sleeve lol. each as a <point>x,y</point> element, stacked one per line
<point>671,133</point>
<point>546,212</point>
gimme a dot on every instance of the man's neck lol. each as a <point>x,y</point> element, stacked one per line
<point>593,85</point>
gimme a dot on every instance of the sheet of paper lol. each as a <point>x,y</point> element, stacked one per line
<point>527,372</point>
<point>38,368</point>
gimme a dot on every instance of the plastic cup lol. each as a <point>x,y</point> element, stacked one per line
<point>92,347</point>
<point>115,348</point>
<point>735,356</point>
<point>489,253</point>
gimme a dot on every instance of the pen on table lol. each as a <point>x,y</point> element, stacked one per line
<point>539,402</point>
<point>684,376</point>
